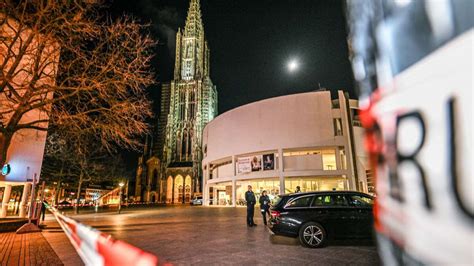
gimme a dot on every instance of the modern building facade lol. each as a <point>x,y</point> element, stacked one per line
<point>172,173</point>
<point>24,155</point>
<point>303,140</point>
<point>94,192</point>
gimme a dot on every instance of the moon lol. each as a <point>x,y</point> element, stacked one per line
<point>293,65</point>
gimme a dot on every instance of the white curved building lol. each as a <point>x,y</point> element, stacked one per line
<point>277,144</point>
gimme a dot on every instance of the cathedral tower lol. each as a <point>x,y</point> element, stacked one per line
<point>172,173</point>
<point>192,104</point>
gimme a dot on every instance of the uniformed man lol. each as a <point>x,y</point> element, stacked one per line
<point>251,200</point>
<point>264,206</point>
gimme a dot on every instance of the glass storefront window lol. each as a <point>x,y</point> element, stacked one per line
<point>272,186</point>
<point>221,194</point>
<point>307,184</point>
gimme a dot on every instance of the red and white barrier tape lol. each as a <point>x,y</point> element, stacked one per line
<point>97,248</point>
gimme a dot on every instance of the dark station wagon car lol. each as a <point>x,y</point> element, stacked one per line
<point>315,217</point>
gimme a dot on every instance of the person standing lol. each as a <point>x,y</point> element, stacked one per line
<point>250,198</point>
<point>43,209</point>
<point>298,189</point>
<point>264,206</point>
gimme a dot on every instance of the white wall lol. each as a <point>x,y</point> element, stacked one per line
<point>25,154</point>
<point>303,162</point>
<point>224,171</point>
<point>299,120</point>
<point>359,141</point>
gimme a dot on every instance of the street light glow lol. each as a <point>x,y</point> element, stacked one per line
<point>121,184</point>
<point>292,65</point>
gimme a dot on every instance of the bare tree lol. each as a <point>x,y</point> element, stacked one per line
<point>79,160</point>
<point>58,162</point>
<point>75,69</point>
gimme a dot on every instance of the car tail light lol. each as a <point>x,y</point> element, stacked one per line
<point>275,214</point>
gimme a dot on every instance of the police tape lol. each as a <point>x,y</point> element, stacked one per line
<point>95,205</point>
<point>97,248</point>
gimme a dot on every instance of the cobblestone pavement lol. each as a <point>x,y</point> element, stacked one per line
<point>58,240</point>
<point>26,249</point>
<point>217,236</point>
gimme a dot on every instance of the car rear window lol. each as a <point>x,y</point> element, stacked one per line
<point>276,201</point>
<point>359,200</point>
<point>300,202</point>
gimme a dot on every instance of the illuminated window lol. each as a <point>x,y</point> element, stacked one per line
<point>307,184</point>
<point>329,159</point>
<point>300,153</point>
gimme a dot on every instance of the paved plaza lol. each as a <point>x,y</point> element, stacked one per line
<point>204,235</point>
<point>25,250</point>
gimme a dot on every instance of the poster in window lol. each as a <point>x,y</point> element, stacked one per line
<point>269,161</point>
<point>244,165</point>
<point>256,163</point>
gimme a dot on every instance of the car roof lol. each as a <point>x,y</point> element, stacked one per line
<point>325,193</point>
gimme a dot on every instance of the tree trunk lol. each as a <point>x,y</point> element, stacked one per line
<point>78,196</point>
<point>5,141</point>
<point>58,187</point>
<point>58,191</point>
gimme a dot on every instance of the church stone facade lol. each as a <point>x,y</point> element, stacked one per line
<point>170,170</point>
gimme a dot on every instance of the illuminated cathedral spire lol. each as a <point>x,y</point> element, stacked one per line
<point>194,26</point>
<point>188,103</point>
<point>193,103</point>
<point>192,52</point>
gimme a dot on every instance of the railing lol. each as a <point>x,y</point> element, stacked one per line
<point>97,248</point>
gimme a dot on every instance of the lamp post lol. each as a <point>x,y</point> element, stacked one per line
<point>121,184</point>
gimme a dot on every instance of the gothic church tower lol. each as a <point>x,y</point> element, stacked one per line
<point>170,170</point>
<point>192,104</point>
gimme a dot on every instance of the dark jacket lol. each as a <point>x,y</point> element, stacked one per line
<point>264,202</point>
<point>250,198</point>
<point>43,206</point>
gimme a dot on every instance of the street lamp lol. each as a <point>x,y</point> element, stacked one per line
<point>121,184</point>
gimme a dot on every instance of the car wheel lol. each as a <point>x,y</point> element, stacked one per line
<point>312,235</point>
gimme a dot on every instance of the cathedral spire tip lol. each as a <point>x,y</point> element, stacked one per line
<point>193,20</point>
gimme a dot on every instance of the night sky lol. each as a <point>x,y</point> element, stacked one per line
<point>251,42</point>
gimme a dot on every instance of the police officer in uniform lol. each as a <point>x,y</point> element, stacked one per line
<point>251,200</point>
<point>264,206</point>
